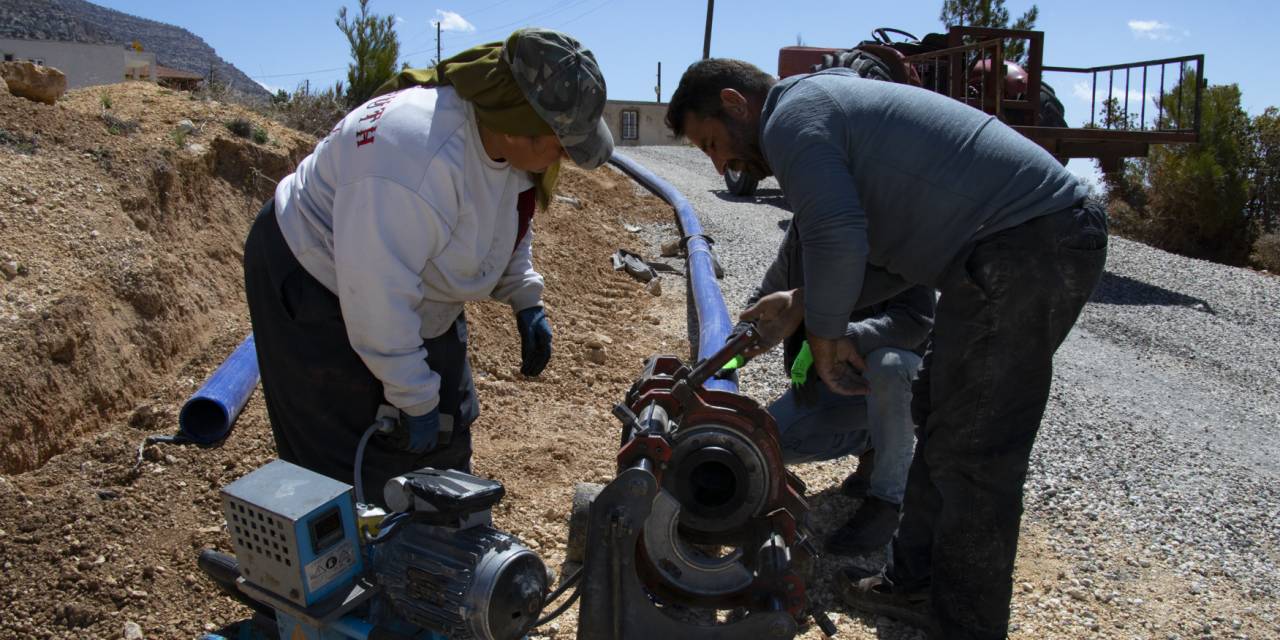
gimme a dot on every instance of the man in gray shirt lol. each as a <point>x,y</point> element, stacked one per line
<point>930,192</point>
<point>815,423</point>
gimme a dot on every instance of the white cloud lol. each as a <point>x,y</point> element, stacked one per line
<point>1153,30</point>
<point>450,21</point>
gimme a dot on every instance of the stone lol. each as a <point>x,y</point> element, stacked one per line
<point>10,269</point>
<point>132,631</point>
<point>654,287</point>
<point>186,126</point>
<point>34,82</point>
<point>597,355</point>
<point>569,200</point>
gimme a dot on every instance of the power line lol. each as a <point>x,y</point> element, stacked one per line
<point>589,12</point>
<point>299,73</point>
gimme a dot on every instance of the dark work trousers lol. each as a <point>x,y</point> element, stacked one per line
<point>320,395</point>
<point>1005,308</point>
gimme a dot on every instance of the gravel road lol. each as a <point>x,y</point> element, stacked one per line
<point>1155,473</point>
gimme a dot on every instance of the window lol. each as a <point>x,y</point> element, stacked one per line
<point>630,124</point>
<point>8,57</point>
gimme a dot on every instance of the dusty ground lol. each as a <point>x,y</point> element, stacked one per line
<point>126,295</point>
<point>152,302</point>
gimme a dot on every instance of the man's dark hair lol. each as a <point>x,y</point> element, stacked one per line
<point>699,90</point>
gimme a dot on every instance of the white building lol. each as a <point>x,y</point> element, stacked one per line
<point>85,65</point>
<point>635,123</point>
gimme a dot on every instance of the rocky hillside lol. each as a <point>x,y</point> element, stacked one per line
<point>79,21</point>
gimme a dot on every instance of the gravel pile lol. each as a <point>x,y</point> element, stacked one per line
<point>1152,505</point>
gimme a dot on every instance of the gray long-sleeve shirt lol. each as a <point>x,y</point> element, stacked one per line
<point>896,177</point>
<point>903,321</point>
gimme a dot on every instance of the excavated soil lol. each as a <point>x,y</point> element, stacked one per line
<point>130,294</point>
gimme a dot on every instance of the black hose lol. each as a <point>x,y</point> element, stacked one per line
<point>559,610</point>
<point>559,591</point>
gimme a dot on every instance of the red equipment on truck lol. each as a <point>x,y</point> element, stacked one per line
<point>1015,92</point>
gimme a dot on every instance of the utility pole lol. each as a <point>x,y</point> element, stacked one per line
<point>658,89</point>
<point>437,43</point>
<point>706,40</point>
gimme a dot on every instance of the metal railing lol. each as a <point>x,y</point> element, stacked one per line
<point>972,74</point>
<point>1187,68</point>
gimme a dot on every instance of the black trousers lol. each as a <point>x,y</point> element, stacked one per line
<point>1005,308</point>
<point>320,395</point>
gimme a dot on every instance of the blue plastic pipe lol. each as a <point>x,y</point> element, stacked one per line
<point>207,416</point>
<point>714,325</point>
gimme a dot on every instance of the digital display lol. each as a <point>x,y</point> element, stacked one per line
<point>326,530</point>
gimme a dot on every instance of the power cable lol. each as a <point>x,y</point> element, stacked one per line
<point>589,12</point>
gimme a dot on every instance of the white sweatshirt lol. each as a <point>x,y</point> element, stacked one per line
<point>404,217</point>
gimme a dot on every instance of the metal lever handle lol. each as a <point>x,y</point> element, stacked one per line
<point>737,343</point>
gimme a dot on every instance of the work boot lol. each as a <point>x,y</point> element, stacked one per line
<point>858,482</point>
<point>876,595</point>
<point>870,528</point>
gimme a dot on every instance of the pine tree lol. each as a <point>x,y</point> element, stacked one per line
<point>989,13</point>
<point>375,49</point>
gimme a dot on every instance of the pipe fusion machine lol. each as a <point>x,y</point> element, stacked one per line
<point>700,535</point>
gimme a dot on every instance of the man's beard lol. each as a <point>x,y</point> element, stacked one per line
<point>745,146</point>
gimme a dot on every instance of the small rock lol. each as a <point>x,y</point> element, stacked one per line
<point>654,287</point>
<point>671,249</point>
<point>132,631</point>
<point>631,228</point>
<point>597,355</point>
<point>93,234</point>
<point>186,126</point>
<point>196,149</point>
<point>10,269</point>
<point>569,200</point>
<point>653,320</point>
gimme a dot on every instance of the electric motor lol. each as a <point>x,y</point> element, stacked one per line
<point>444,568</point>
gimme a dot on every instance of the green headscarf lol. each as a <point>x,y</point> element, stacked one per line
<point>483,78</point>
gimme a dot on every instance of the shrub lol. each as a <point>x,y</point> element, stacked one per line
<point>179,138</point>
<point>240,127</point>
<point>259,135</point>
<point>25,145</point>
<point>1266,252</point>
<point>310,112</point>
<point>118,126</point>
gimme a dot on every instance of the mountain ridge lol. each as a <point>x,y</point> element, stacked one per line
<point>88,23</point>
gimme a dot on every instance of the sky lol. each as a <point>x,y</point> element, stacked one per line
<point>282,43</point>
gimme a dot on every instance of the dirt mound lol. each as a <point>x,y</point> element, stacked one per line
<point>106,333</point>
<point>122,215</point>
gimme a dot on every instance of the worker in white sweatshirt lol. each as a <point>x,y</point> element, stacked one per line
<point>416,202</point>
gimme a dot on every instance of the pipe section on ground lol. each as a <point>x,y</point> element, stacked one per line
<point>208,415</point>
<point>714,324</point>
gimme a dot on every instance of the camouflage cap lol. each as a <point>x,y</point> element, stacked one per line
<point>562,82</point>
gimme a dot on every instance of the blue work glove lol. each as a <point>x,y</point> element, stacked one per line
<point>535,340</point>
<point>417,434</point>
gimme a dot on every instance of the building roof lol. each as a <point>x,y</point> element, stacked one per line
<point>169,72</point>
